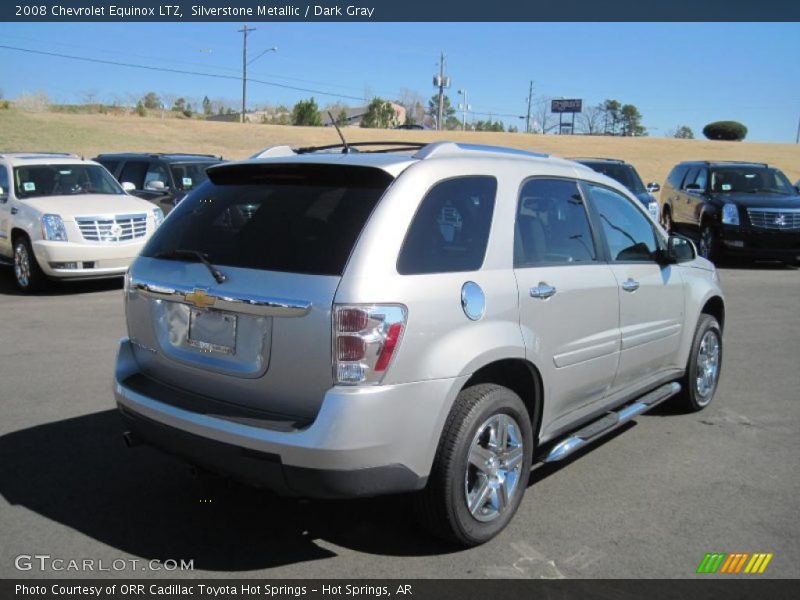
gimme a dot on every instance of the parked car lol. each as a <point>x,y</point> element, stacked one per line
<point>355,324</point>
<point>626,174</point>
<point>163,179</point>
<point>733,209</point>
<point>63,217</point>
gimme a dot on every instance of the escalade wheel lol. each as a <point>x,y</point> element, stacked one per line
<point>666,219</point>
<point>707,246</point>
<point>27,274</point>
<point>703,369</point>
<point>481,468</point>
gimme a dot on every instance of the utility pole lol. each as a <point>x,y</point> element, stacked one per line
<point>528,117</point>
<point>441,91</point>
<point>465,109</point>
<point>244,33</point>
<point>797,139</point>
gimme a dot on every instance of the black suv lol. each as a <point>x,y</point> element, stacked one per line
<point>163,179</point>
<point>626,174</point>
<point>741,209</point>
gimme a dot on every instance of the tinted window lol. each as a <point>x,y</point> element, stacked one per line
<point>189,175</point>
<point>552,226</point>
<point>690,177</point>
<point>450,231</point>
<point>134,172</point>
<point>629,235</point>
<point>111,165</point>
<point>621,172</point>
<point>4,179</point>
<point>675,177</point>
<point>156,172</point>
<point>291,218</point>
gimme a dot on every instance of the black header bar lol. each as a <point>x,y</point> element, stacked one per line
<point>399,11</point>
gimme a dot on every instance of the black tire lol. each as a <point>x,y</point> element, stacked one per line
<point>28,275</point>
<point>708,245</point>
<point>443,505</point>
<point>666,218</point>
<point>695,396</point>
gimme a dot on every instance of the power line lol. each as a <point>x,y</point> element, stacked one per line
<point>180,72</point>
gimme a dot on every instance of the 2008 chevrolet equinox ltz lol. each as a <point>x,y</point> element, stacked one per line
<point>329,322</point>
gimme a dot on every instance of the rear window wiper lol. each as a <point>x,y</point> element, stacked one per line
<point>202,257</point>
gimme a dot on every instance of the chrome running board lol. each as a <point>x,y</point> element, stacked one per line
<point>611,421</point>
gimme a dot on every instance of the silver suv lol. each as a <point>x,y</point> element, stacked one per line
<point>431,321</point>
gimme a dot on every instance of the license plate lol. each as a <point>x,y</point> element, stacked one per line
<point>212,331</point>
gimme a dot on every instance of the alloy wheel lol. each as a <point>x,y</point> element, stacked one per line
<point>494,467</point>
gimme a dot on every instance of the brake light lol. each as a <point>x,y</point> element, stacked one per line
<point>366,339</point>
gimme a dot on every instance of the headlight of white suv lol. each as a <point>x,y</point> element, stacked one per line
<point>53,228</point>
<point>730,214</point>
<point>158,216</point>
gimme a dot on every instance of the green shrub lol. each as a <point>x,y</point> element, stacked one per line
<point>725,130</point>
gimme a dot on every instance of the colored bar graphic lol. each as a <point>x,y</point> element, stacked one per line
<point>734,562</point>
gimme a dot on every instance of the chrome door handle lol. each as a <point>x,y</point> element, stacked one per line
<point>543,291</point>
<point>629,285</point>
<point>13,211</point>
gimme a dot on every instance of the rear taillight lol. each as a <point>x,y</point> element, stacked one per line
<point>365,339</point>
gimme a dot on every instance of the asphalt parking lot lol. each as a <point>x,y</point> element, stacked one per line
<point>648,502</point>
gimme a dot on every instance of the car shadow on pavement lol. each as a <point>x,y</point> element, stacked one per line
<point>78,473</point>
<point>57,288</point>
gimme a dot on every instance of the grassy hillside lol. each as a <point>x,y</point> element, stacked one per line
<point>89,135</point>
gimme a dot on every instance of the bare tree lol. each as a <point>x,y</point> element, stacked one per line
<point>543,120</point>
<point>414,103</point>
<point>591,120</point>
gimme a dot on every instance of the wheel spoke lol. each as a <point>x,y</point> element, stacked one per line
<point>512,458</point>
<point>479,456</point>
<point>479,497</point>
<point>500,497</point>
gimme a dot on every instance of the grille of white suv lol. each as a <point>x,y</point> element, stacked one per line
<point>119,228</point>
<point>783,219</point>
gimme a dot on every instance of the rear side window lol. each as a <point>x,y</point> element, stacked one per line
<point>552,226</point>
<point>676,176</point>
<point>291,218</point>
<point>111,165</point>
<point>450,231</point>
<point>134,172</point>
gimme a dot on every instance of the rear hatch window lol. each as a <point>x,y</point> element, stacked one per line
<point>295,218</point>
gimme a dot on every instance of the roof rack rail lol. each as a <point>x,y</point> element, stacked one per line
<point>444,148</point>
<point>732,162</point>
<point>38,152</point>
<point>387,147</point>
<point>619,160</point>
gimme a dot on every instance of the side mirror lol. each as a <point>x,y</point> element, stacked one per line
<point>128,186</point>
<point>680,249</point>
<point>3,195</point>
<point>653,187</point>
<point>155,186</point>
<point>692,187</point>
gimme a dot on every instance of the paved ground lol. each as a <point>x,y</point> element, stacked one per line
<point>649,502</point>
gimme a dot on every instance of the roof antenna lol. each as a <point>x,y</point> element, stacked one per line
<point>346,149</point>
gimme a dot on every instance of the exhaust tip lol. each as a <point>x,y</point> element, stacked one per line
<point>131,439</point>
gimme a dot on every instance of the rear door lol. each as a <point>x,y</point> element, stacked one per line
<point>568,299</point>
<point>651,296</point>
<point>280,235</point>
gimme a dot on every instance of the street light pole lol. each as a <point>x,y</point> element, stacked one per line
<point>465,107</point>
<point>244,31</point>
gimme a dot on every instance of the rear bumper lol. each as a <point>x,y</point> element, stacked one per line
<point>364,441</point>
<point>89,261</point>
<point>751,243</point>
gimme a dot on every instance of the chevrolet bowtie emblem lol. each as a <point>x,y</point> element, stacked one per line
<point>200,298</point>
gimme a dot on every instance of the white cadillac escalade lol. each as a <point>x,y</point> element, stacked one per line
<point>63,217</point>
